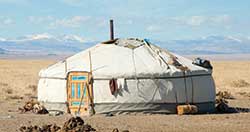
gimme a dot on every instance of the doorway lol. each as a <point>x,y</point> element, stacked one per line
<point>79,92</point>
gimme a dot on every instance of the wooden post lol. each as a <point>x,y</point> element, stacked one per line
<point>111,30</point>
<point>90,82</point>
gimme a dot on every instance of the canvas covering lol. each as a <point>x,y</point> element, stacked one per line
<point>147,71</point>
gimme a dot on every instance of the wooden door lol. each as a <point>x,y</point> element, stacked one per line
<point>78,90</point>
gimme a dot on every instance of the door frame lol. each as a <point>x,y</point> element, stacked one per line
<point>90,87</point>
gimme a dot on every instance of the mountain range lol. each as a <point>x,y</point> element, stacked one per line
<point>209,45</point>
<point>2,51</point>
<point>45,44</point>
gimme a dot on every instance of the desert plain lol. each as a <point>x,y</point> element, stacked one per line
<point>18,84</point>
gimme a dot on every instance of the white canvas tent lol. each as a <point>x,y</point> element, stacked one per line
<point>150,79</point>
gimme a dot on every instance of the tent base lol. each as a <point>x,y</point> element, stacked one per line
<point>126,108</point>
<point>50,106</point>
<point>153,108</point>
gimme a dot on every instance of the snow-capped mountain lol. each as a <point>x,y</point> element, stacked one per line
<point>46,36</point>
<point>2,51</point>
<point>47,44</point>
<point>209,45</point>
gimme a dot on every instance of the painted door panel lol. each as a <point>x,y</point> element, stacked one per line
<point>77,91</point>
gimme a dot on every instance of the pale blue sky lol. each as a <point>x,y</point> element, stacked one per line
<point>154,19</point>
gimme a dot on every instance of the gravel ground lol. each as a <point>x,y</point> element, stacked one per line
<point>11,120</point>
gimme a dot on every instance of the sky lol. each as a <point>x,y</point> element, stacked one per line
<point>154,19</point>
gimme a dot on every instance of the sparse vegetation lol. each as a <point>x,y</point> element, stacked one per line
<point>15,97</point>
<point>3,84</point>
<point>8,91</point>
<point>240,83</point>
<point>19,77</point>
<point>246,94</point>
<point>32,87</point>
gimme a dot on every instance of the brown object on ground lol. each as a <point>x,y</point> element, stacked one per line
<point>222,107</point>
<point>186,109</point>
<point>45,128</point>
<point>76,124</point>
<point>34,106</point>
<point>222,103</point>
<point>220,100</point>
<point>117,130</point>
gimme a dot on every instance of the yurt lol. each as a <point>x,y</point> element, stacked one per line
<point>123,76</point>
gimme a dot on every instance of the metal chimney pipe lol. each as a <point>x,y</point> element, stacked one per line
<point>111,29</point>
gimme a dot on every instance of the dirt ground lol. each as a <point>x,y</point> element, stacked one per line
<point>18,82</point>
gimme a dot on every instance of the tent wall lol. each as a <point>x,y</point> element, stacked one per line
<point>136,95</point>
<point>52,90</point>
<point>157,91</point>
<point>155,95</point>
<point>166,108</point>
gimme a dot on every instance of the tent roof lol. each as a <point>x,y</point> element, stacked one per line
<point>125,58</point>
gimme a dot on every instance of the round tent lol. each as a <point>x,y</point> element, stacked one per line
<point>127,75</point>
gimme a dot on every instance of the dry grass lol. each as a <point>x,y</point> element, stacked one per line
<point>14,97</point>
<point>8,91</point>
<point>232,76</point>
<point>32,87</point>
<point>19,79</point>
<point>240,83</point>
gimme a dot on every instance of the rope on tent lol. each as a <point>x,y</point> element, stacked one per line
<point>185,84</point>
<point>156,81</point>
<point>137,82</point>
<point>66,68</point>
<point>176,97</point>
<point>192,89</point>
<point>90,82</point>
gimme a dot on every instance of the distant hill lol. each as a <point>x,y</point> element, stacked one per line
<point>2,51</point>
<point>209,45</point>
<point>44,44</point>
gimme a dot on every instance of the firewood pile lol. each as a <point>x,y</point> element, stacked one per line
<point>74,124</point>
<point>33,106</point>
